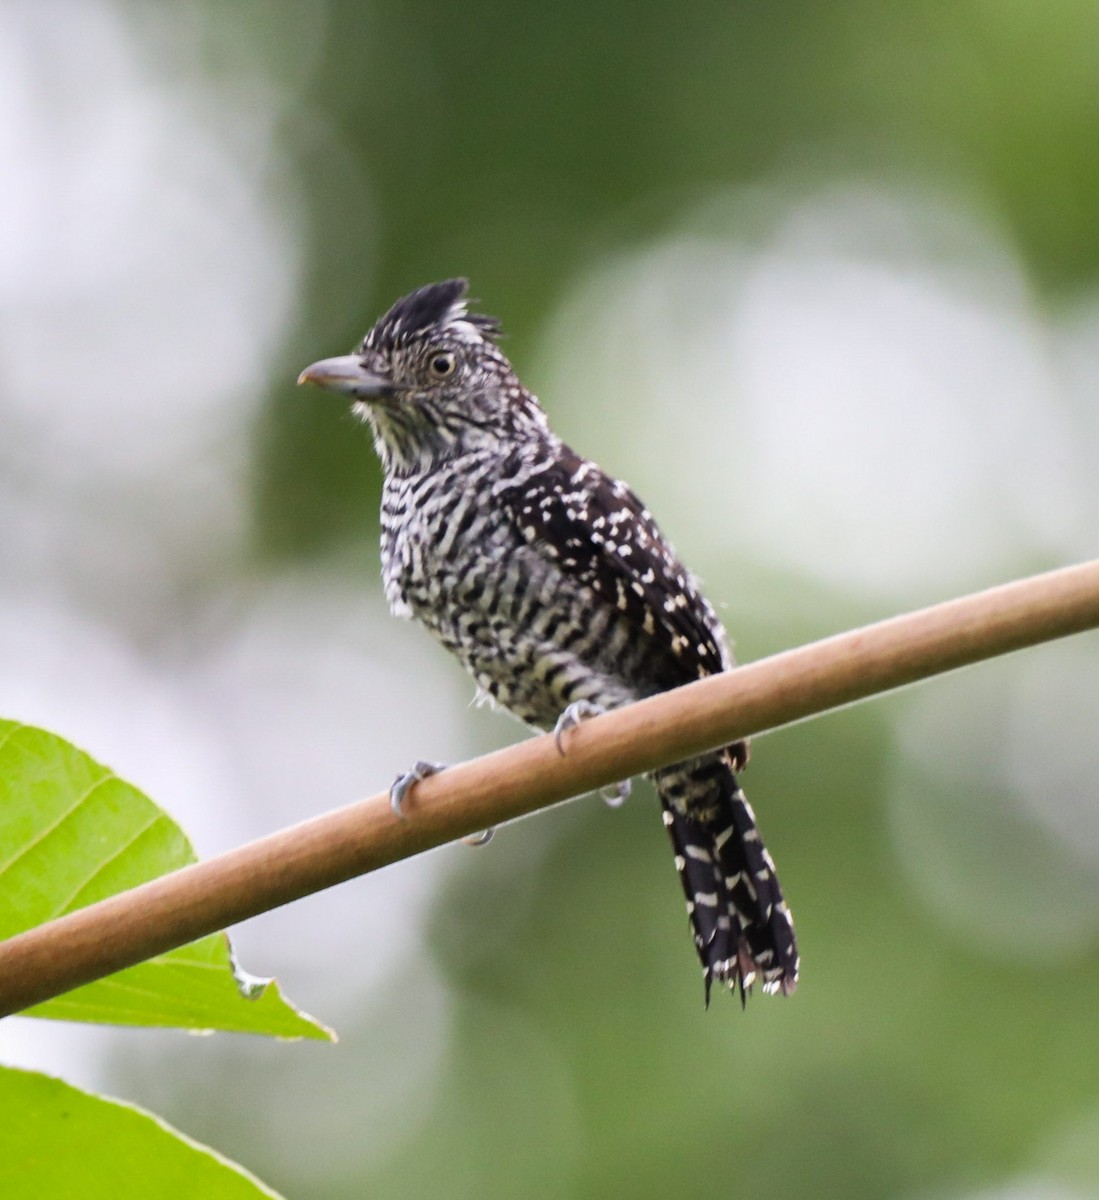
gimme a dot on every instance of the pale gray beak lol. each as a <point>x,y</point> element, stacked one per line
<point>347,374</point>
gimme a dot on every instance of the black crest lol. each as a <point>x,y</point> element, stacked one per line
<point>432,306</point>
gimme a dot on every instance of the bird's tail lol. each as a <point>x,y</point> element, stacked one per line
<point>742,927</point>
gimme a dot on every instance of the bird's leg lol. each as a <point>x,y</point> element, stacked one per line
<point>613,794</point>
<point>403,784</point>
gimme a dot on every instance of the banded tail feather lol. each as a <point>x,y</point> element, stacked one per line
<point>740,921</point>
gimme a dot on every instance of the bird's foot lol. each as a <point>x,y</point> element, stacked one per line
<point>613,794</point>
<point>403,784</point>
<point>577,711</point>
<point>480,839</point>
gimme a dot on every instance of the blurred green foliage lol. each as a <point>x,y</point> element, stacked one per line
<point>512,144</point>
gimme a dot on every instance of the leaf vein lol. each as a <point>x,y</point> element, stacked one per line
<point>101,867</point>
<point>43,834</point>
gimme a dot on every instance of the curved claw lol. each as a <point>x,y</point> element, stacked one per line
<point>480,839</point>
<point>614,795</point>
<point>403,784</point>
<point>577,711</point>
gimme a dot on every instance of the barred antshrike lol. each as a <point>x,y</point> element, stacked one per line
<point>554,587</point>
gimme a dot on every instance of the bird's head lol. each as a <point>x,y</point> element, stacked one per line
<point>431,381</point>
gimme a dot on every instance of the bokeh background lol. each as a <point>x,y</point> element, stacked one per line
<point>822,282</point>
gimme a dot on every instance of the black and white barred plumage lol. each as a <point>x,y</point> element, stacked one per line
<point>552,584</point>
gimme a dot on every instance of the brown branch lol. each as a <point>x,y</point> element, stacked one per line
<point>284,866</point>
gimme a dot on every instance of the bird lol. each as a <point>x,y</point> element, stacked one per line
<point>553,585</point>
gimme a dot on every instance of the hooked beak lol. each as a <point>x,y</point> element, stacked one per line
<point>347,374</point>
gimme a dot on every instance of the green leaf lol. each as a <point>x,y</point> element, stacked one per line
<point>56,1140</point>
<point>71,833</point>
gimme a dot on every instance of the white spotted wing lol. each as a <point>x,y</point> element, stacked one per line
<point>595,528</point>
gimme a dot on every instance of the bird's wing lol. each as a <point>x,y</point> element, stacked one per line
<point>595,528</point>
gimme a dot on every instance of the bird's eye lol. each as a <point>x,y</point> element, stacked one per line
<point>442,364</point>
